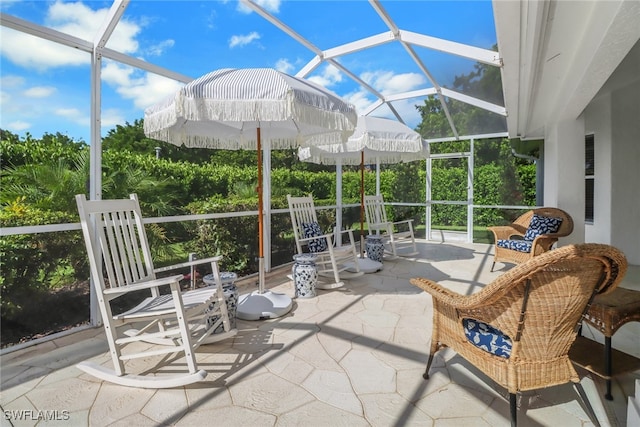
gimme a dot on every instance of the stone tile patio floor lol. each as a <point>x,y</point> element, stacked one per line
<point>352,356</point>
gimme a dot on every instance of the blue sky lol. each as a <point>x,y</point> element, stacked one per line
<point>45,87</point>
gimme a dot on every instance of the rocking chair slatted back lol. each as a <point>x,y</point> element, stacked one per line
<point>375,210</point>
<point>302,212</point>
<point>124,233</point>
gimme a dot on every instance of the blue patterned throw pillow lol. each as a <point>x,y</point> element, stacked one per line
<point>312,229</point>
<point>541,225</point>
<point>487,338</point>
<point>515,245</point>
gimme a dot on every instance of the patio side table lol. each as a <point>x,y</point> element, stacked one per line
<point>607,314</point>
<point>305,275</point>
<point>230,291</point>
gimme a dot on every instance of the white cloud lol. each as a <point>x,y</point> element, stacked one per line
<point>144,89</point>
<point>284,65</point>
<point>12,81</point>
<point>330,76</point>
<point>81,21</point>
<point>270,5</point>
<point>75,19</point>
<point>160,48</point>
<point>360,99</point>
<point>18,126</point>
<point>386,82</point>
<point>6,4</point>
<point>39,91</point>
<point>74,115</point>
<point>35,53</point>
<point>116,74</point>
<point>407,110</point>
<point>149,90</point>
<point>112,117</point>
<point>240,40</point>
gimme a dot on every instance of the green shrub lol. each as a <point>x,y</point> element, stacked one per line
<point>35,263</point>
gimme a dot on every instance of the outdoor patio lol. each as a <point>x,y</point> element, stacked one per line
<point>350,356</point>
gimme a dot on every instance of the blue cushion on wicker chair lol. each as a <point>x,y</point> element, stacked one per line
<point>312,229</point>
<point>515,245</point>
<point>541,225</point>
<point>487,338</point>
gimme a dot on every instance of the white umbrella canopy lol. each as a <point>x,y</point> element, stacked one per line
<point>230,109</point>
<point>224,108</point>
<point>387,141</point>
<point>384,140</point>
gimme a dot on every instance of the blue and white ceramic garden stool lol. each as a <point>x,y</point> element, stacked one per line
<point>374,247</point>
<point>230,291</point>
<point>305,275</point>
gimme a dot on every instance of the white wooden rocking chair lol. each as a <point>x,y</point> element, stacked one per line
<point>336,261</point>
<point>164,323</point>
<point>397,236</point>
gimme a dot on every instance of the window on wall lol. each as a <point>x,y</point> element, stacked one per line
<point>589,172</point>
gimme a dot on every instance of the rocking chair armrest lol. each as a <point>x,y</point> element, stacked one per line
<point>187,264</point>
<point>409,222</point>
<point>347,231</point>
<point>379,225</point>
<point>320,236</point>
<point>175,279</point>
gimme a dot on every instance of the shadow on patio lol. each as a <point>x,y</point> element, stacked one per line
<point>350,356</point>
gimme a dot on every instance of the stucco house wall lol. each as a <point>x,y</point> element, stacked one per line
<point>614,119</point>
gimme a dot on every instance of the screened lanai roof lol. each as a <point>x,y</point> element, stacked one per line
<point>385,57</point>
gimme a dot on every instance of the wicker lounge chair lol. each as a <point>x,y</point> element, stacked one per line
<point>531,234</point>
<point>530,316</point>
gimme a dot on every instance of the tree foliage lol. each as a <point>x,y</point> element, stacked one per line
<point>484,83</point>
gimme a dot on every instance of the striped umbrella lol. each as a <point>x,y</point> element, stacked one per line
<point>231,109</point>
<point>388,141</point>
<point>382,140</point>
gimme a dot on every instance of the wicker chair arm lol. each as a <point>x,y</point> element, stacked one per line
<point>445,295</point>
<point>507,231</point>
<point>543,243</point>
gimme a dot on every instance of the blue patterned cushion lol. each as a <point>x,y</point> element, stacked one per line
<point>312,229</point>
<point>487,338</point>
<point>541,225</point>
<point>515,245</point>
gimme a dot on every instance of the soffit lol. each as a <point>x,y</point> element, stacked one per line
<point>557,55</point>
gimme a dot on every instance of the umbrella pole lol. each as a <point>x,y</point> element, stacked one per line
<point>262,304</point>
<point>362,204</point>
<point>260,218</point>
